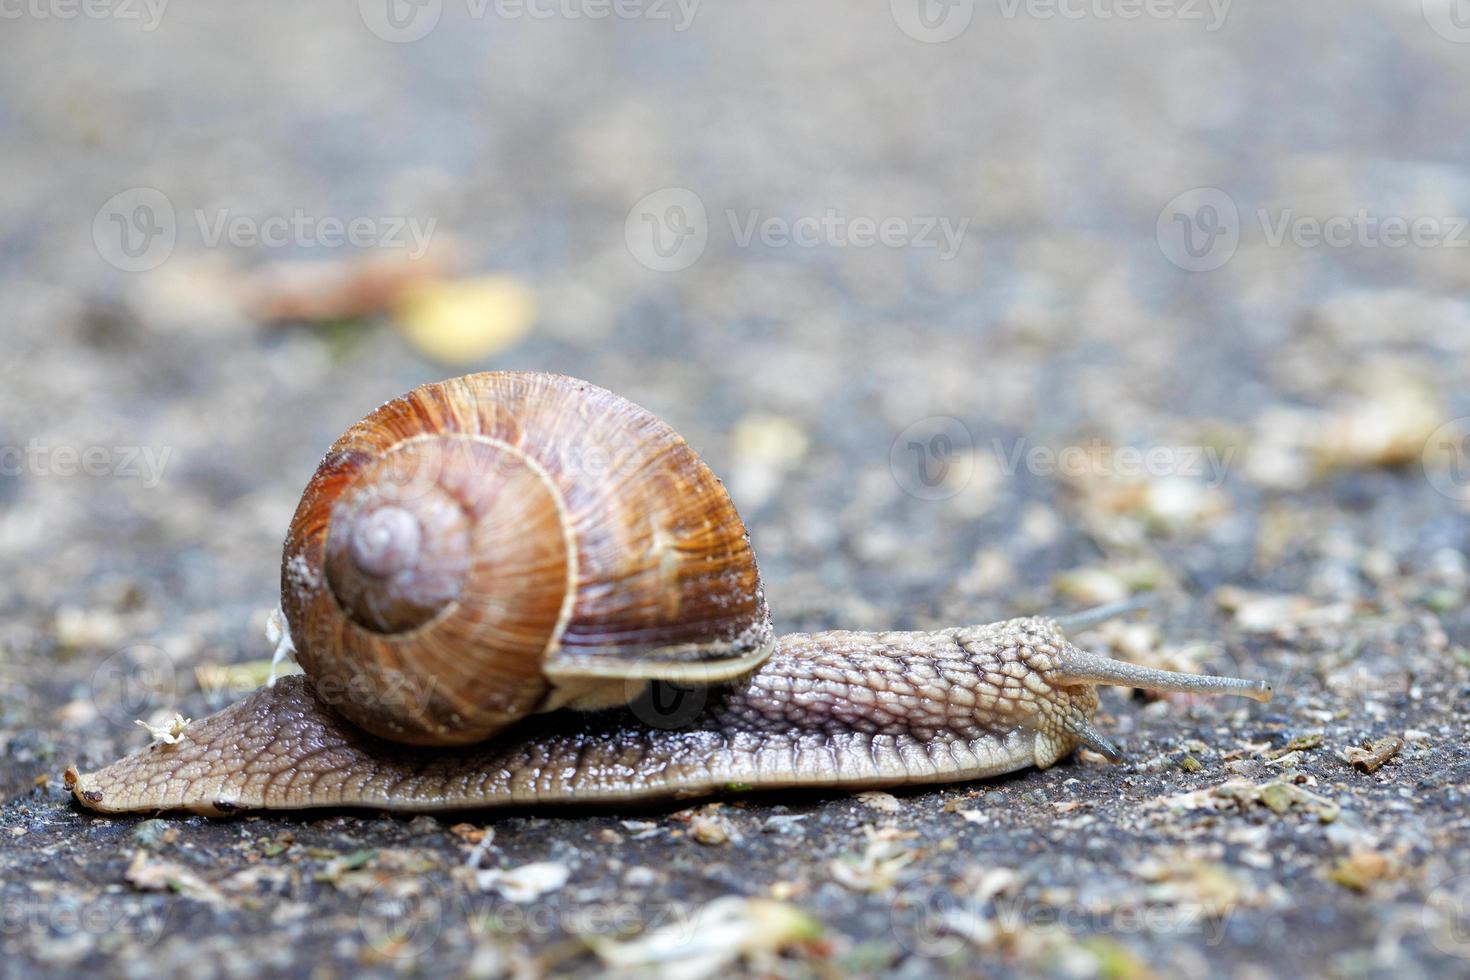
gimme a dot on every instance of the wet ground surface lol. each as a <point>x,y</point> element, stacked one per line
<point>1104,235</point>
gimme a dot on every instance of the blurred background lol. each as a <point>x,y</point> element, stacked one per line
<point>981,309</point>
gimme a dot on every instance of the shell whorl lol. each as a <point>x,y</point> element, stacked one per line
<point>397,557</point>
<point>468,546</point>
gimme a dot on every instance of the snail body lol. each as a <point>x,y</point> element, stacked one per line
<point>477,555</point>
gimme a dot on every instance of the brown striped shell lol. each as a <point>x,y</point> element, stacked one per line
<point>504,543</point>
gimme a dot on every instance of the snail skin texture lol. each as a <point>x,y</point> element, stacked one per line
<point>513,589</point>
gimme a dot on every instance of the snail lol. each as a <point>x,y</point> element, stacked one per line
<point>516,588</point>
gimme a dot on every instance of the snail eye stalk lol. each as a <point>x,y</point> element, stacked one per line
<point>1091,669</point>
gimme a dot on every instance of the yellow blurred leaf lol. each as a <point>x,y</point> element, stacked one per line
<point>463,321</point>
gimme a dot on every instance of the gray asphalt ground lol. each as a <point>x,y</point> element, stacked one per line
<point>925,284</point>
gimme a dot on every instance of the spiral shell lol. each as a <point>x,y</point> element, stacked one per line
<point>504,543</point>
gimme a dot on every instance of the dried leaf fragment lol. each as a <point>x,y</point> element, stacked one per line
<point>877,867</point>
<point>1300,743</point>
<point>526,883</point>
<point>149,874</point>
<point>1372,758</point>
<point>169,732</point>
<point>1280,796</point>
<point>322,290</point>
<point>464,321</point>
<point>713,938</point>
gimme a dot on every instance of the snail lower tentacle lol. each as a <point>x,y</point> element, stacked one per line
<point>836,709</point>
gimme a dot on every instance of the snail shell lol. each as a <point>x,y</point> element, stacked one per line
<point>507,543</point>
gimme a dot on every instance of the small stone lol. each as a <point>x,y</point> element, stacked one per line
<point>468,832</point>
<point>153,834</point>
<point>88,629</point>
<point>1092,586</point>
<point>880,801</point>
<point>640,877</point>
<point>1359,871</point>
<point>709,830</point>
<point>783,823</point>
<point>423,825</point>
